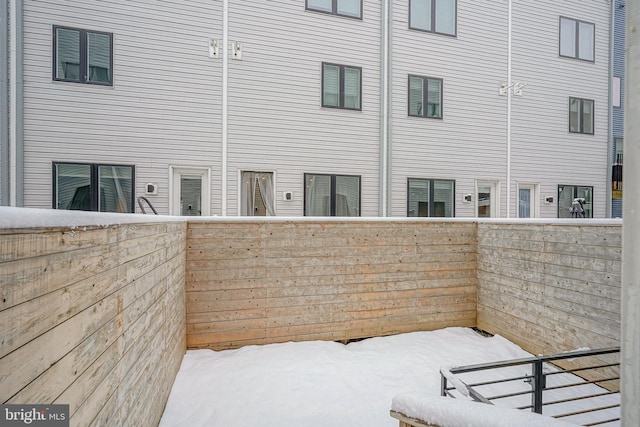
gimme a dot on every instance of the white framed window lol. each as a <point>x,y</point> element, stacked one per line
<point>257,194</point>
<point>577,39</point>
<point>528,196</point>
<point>487,199</point>
<point>189,191</point>
<point>434,16</point>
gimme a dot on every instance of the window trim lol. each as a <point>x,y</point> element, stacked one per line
<point>431,199</point>
<point>581,113</point>
<point>576,36</point>
<point>425,95</point>
<point>94,183</point>
<point>433,20</point>
<point>83,66</point>
<point>334,10</point>
<point>333,198</point>
<point>340,86</point>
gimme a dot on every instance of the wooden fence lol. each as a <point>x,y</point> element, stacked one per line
<point>93,317</point>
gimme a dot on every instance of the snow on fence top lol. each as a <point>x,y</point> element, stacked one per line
<point>448,412</point>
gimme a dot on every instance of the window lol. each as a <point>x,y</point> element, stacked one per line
<point>348,8</point>
<point>257,194</point>
<point>436,16</point>
<point>577,39</point>
<point>93,187</point>
<point>82,56</point>
<point>341,86</point>
<point>425,91</point>
<point>331,195</point>
<point>581,115</point>
<point>430,197</point>
<point>575,201</point>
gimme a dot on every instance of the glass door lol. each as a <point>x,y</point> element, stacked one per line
<point>190,192</point>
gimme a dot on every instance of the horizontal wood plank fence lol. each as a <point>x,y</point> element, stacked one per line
<point>93,317</point>
<point>100,317</point>
<point>264,282</point>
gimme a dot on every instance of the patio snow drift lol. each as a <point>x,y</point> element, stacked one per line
<point>97,311</point>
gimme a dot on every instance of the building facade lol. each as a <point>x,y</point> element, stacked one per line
<point>617,102</point>
<point>317,107</point>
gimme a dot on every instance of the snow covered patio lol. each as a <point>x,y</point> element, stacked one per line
<point>321,383</point>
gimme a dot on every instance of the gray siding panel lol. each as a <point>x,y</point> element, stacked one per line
<point>162,110</point>
<point>276,122</point>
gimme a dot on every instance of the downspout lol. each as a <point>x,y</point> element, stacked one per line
<point>630,336</point>
<point>225,102</point>
<point>16,142</point>
<point>509,91</point>
<point>608,178</point>
<point>4,105</point>
<point>384,113</point>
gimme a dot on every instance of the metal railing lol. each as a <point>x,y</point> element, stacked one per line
<point>142,208</point>
<point>601,373</point>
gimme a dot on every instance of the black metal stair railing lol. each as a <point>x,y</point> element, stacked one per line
<point>602,373</point>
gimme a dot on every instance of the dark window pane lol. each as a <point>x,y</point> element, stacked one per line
<point>434,97</point>
<point>443,198</point>
<point>115,188</point>
<point>318,195</point>
<point>73,187</point>
<point>418,197</point>
<point>587,116</point>
<point>67,54</point>
<point>352,88</point>
<point>99,57</point>
<point>416,96</point>
<point>347,196</point>
<point>330,85</point>
<point>574,115</point>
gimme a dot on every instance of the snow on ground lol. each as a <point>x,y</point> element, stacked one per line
<point>321,383</point>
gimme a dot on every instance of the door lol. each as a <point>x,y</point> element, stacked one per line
<point>486,199</point>
<point>527,201</point>
<point>190,191</point>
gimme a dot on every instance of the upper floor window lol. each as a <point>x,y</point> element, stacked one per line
<point>581,115</point>
<point>331,195</point>
<point>93,187</point>
<point>82,56</point>
<point>430,197</point>
<point>341,86</point>
<point>436,16</point>
<point>577,39</point>
<point>425,97</point>
<point>348,8</point>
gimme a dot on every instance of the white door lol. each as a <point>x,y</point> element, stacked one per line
<point>190,191</point>
<point>527,201</point>
<point>486,199</point>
